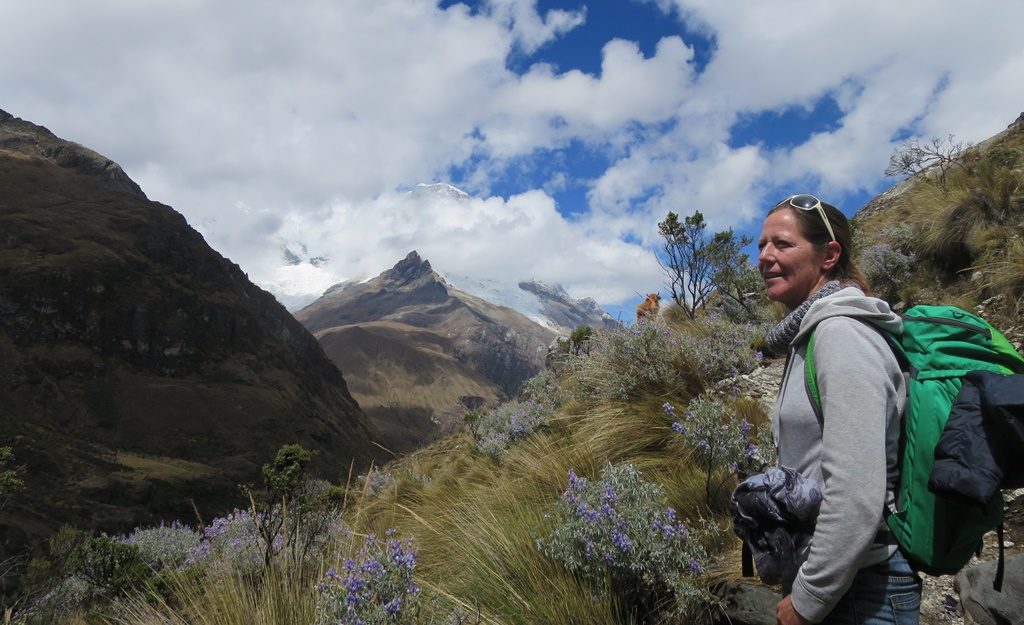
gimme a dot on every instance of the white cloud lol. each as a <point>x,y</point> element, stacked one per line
<point>303,121</point>
<point>528,27</point>
<point>506,240</point>
<point>891,68</point>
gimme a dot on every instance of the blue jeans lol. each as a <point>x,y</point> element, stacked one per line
<point>887,593</point>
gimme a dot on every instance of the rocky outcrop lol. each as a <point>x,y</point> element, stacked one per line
<point>35,142</point>
<point>139,368</point>
<point>419,352</point>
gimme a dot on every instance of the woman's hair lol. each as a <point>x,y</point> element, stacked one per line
<point>813,229</point>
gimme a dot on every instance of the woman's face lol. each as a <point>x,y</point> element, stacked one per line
<point>792,268</point>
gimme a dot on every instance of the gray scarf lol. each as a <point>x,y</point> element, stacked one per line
<point>779,337</point>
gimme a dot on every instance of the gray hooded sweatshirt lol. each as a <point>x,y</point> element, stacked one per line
<point>852,452</point>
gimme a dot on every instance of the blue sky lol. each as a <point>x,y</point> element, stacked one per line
<point>573,127</point>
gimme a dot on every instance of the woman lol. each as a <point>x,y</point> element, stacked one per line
<point>854,572</point>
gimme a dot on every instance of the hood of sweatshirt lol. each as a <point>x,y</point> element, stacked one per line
<point>850,302</point>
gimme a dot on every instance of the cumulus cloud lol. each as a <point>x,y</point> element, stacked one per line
<point>507,241</point>
<point>529,28</point>
<point>306,121</point>
<point>893,70</point>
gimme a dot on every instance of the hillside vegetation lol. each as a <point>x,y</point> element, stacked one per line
<point>954,232</point>
<point>597,496</point>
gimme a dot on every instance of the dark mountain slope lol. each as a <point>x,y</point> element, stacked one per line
<point>138,367</point>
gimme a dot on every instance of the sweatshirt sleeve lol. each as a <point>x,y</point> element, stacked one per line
<point>856,373</point>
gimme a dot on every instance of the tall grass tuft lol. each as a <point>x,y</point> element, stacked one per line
<point>1003,275</point>
<point>951,223</point>
<point>280,596</point>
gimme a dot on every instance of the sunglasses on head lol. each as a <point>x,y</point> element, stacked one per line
<point>808,203</point>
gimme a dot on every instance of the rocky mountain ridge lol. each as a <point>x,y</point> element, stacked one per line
<point>418,353</point>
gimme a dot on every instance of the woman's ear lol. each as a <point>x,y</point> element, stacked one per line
<point>833,250</point>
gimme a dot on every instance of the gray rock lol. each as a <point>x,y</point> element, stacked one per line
<point>982,603</point>
<point>748,604</point>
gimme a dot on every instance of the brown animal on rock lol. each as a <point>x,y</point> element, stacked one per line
<point>649,307</point>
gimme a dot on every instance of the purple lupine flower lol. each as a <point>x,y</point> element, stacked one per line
<point>609,493</point>
<point>621,541</point>
<point>745,428</point>
<point>393,606</point>
<point>576,482</point>
<point>373,567</point>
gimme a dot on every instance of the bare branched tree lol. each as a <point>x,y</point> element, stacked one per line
<point>687,264</point>
<point>914,157</point>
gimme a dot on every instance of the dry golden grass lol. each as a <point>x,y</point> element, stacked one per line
<point>1004,275</point>
<point>279,598</point>
<point>971,225</point>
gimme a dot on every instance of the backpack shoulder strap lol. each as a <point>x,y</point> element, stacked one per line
<point>811,375</point>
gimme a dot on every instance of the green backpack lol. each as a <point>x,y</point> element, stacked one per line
<point>939,345</point>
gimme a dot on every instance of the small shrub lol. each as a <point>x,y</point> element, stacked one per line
<point>543,389</point>
<point>376,482</point>
<point>887,268</point>
<point>374,587</point>
<point>318,524</point>
<point>508,423</point>
<point>579,341</point>
<point>166,547</point>
<point>10,479</point>
<point>723,443</point>
<point>110,565</point>
<point>625,363</point>
<point>62,599</point>
<point>618,532</point>
<point>719,348</point>
<point>900,236</point>
<point>471,418</point>
<point>230,545</point>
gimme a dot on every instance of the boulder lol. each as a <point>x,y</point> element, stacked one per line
<point>747,604</point>
<point>985,605</point>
